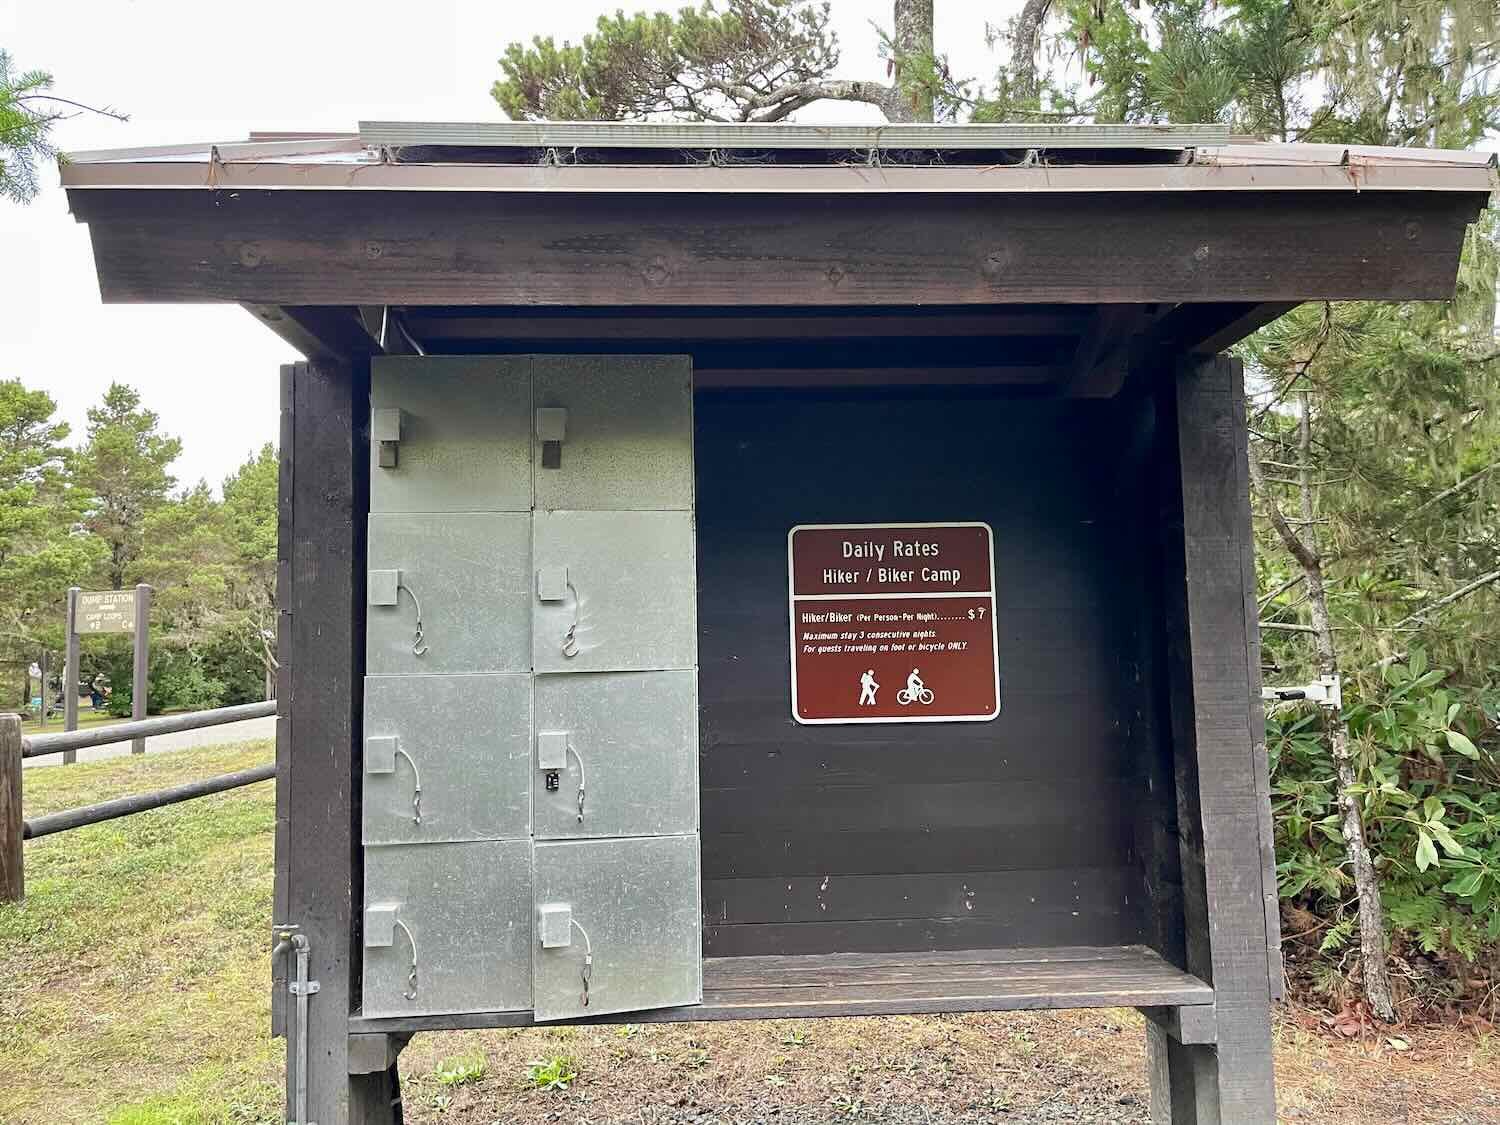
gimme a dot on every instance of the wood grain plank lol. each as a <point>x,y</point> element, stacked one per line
<point>323,865</point>
<point>980,894</point>
<point>895,984</point>
<point>312,248</point>
<point>1219,800</point>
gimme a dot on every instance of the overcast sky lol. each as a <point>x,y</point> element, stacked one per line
<point>212,72</point>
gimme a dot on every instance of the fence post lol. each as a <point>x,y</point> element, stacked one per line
<point>12,868</point>
<point>141,664</point>
<point>70,673</point>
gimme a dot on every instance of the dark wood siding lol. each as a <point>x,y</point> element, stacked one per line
<point>1016,832</point>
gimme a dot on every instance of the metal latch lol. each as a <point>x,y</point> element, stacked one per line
<point>383,587</point>
<point>381,923</point>
<point>1325,691</point>
<point>385,431</point>
<point>381,751</point>
<point>553,749</point>
<point>551,431</point>
<point>554,928</point>
<point>291,940</point>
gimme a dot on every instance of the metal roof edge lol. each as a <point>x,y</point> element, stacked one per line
<point>859,178</point>
<point>782,135</point>
<point>257,147</point>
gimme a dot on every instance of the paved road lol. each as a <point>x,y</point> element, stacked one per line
<point>183,740</point>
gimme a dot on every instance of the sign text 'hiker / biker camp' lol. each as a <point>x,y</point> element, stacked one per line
<point>893,623</point>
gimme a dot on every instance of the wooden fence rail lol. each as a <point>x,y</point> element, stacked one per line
<point>16,747</point>
<point>62,741</point>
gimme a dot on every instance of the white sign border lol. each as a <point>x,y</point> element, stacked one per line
<point>791,615</point>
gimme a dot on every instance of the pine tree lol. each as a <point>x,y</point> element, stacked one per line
<point>122,471</point>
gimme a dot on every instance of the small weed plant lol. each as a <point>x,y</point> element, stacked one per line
<point>461,1069</point>
<point>555,1073</point>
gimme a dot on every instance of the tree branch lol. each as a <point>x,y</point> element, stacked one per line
<point>103,111</point>
<point>1267,599</point>
<point>1443,495</point>
<point>1299,550</point>
<point>1442,603</point>
<point>1324,331</point>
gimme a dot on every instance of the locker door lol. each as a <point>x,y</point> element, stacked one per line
<point>450,434</point>
<point>615,591</point>
<point>447,928</point>
<point>446,758</point>
<point>628,741</point>
<point>622,428</point>
<point>618,926</point>
<point>463,577</point>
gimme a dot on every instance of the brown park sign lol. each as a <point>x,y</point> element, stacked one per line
<point>112,611</point>
<point>893,623</point>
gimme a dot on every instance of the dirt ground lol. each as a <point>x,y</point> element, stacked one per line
<point>1082,1066</point>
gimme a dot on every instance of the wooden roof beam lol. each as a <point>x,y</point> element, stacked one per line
<point>336,248</point>
<point>318,332</point>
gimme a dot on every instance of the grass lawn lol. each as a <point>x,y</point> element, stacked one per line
<point>133,991</point>
<point>86,718</point>
<point>136,971</point>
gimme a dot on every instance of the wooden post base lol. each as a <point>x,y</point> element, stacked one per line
<point>375,1099</point>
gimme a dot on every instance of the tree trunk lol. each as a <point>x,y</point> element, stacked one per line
<point>1026,40</point>
<point>912,39</point>
<point>1366,881</point>
<point>1303,547</point>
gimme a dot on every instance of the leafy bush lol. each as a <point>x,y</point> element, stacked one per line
<point>1429,789</point>
<point>177,681</point>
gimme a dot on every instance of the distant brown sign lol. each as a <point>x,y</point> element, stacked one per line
<point>112,611</point>
<point>893,623</point>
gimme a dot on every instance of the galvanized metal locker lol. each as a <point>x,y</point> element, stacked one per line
<point>616,591</point>
<point>450,434</point>
<point>447,758</point>
<point>447,928</point>
<point>629,906</point>
<point>464,579</point>
<point>626,432</point>
<point>629,741</point>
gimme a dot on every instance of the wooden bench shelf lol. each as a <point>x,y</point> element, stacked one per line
<point>882,984</point>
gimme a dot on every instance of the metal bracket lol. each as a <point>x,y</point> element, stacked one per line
<point>1325,691</point>
<point>291,940</point>
<point>551,431</point>
<point>385,430</point>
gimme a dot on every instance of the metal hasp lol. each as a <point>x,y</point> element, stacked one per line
<point>1325,691</point>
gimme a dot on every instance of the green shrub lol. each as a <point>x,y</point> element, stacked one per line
<point>1429,789</point>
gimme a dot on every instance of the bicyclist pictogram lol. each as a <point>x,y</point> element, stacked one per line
<point>915,691</point>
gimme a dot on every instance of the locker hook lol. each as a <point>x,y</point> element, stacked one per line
<point>411,980</point>
<point>588,958</point>
<point>572,750</point>
<point>416,793</point>
<point>570,638</point>
<point>418,644</point>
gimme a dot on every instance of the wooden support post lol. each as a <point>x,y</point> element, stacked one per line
<point>12,858</point>
<point>319,869</point>
<point>70,672</point>
<point>140,668</point>
<point>1215,739</point>
<point>43,665</point>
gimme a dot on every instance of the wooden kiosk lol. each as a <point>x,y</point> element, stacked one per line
<point>736,572</point>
